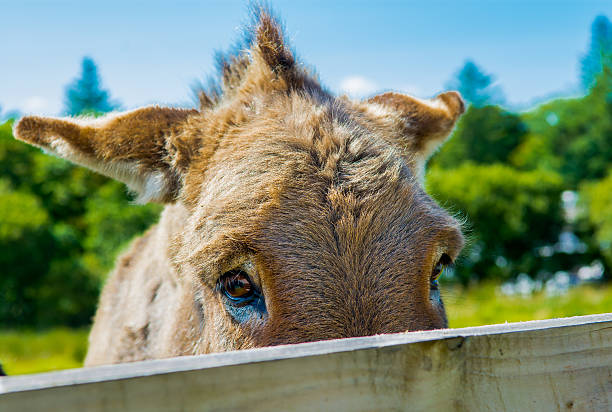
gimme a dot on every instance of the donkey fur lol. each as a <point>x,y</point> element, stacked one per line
<point>319,196</point>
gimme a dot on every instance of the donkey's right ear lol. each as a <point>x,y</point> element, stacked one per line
<point>139,147</point>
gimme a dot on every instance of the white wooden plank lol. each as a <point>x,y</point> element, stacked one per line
<point>559,364</point>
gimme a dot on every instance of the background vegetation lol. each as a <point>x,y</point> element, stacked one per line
<point>534,187</point>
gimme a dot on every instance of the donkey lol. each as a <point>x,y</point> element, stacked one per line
<point>292,215</point>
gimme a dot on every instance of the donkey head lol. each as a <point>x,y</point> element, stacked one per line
<point>306,216</point>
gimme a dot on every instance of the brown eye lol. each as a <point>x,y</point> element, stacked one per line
<point>237,285</point>
<point>444,261</point>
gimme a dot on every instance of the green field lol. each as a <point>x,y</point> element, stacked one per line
<point>31,351</point>
<point>484,305</point>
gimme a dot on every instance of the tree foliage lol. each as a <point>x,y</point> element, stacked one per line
<point>506,172</point>
<point>85,94</point>
<point>510,214</point>
<point>599,54</point>
<point>486,134</point>
<point>61,228</point>
<point>575,135</point>
<point>476,87</point>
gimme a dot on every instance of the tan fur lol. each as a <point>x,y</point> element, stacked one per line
<point>316,197</point>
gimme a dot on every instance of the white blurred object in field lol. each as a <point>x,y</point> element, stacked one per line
<point>523,285</point>
<point>557,285</point>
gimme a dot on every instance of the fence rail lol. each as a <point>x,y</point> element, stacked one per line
<point>557,364</point>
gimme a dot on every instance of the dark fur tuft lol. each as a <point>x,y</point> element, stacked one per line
<point>271,43</point>
<point>263,35</point>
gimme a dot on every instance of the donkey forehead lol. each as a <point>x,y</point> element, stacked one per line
<point>306,188</point>
<point>322,143</point>
<point>395,228</point>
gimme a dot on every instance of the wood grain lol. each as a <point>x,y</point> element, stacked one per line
<point>556,365</point>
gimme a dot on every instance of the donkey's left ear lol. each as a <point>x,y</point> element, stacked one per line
<point>422,124</point>
<point>139,147</point>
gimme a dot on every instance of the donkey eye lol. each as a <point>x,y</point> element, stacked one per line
<point>444,261</point>
<point>242,299</point>
<point>236,285</point>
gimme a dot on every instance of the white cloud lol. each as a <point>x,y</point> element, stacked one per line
<point>35,104</point>
<point>357,86</point>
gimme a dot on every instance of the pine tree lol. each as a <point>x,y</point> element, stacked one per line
<point>600,52</point>
<point>476,87</point>
<point>85,95</point>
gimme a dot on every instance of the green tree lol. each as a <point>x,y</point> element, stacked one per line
<point>575,134</point>
<point>24,246</point>
<point>486,134</point>
<point>476,87</point>
<point>599,54</point>
<point>61,228</point>
<point>85,94</point>
<point>40,281</point>
<point>111,224</point>
<point>510,214</point>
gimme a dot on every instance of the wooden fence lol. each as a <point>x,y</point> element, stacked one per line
<point>556,365</point>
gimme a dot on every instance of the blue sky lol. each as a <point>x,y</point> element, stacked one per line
<point>151,51</point>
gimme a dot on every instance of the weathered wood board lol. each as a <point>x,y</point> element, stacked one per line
<point>551,365</point>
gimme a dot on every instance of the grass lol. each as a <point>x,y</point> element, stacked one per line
<point>31,351</point>
<point>28,351</point>
<point>485,305</point>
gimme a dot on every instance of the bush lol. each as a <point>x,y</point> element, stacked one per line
<point>596,202</point>
<point>484,135</point>
<point>60,231</point>
<point>509,212</point>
